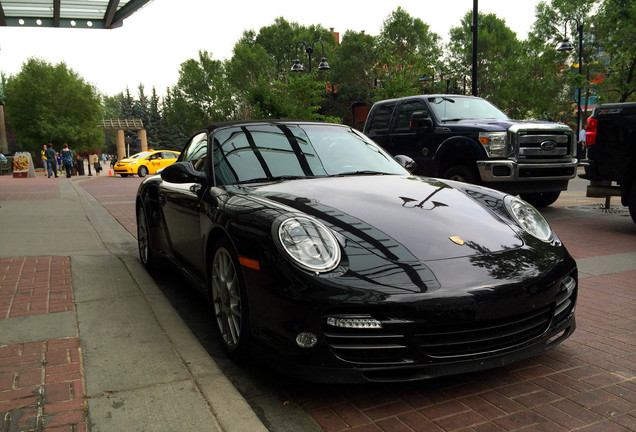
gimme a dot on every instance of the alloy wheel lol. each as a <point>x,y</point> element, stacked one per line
<point>226,298</point>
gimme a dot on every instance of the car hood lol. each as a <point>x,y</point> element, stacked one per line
<point>489,125</point>
<point>404,218</point>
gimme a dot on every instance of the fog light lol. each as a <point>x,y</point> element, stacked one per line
<point>353,321</point>
<point>306,340</point>
<point>501,171</point>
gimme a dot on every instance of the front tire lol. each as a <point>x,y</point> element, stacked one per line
<point>541,199</point>
<point>143,171</point>
<point>229,300</point>
<point>124,175</point>
<point>462,173</point>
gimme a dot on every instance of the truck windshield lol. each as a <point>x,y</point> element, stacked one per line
<point>450,108</point>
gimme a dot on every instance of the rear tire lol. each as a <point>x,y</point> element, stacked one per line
<point>541,199</point>
<point>144,241</point>
<point>462,173</point>
<point>228,300</point>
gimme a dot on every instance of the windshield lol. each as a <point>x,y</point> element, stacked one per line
<point>140,155</point>
<point>450,108</point>
<point>262,152</point>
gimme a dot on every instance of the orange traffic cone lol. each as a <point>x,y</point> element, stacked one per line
<point>110,172</point>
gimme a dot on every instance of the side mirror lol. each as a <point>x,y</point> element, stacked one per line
<point>420,122</point>
<point>182,172</point>
<point>406,162</point>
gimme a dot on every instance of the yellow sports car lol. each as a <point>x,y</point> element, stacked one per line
<point>145,163</point>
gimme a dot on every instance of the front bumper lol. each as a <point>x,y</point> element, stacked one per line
<point>514,177</point>
<point>125,169</point>
<point>413,372</point>
<point>448,331</point>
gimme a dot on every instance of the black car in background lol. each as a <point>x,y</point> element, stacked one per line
<point>611,153</point>
<point>324,257</point>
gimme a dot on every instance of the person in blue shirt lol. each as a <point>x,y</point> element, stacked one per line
<point>51,160</point>
<point>67,160</point>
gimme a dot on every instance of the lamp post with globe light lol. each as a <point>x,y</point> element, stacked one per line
<point>565,45</point>
<point>309,49</point>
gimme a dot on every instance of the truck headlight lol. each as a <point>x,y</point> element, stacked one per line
<point>494,143</point>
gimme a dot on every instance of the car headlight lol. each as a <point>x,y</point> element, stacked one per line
<point>494,143</point>
<point>529,218</point>
<point>309,243</point>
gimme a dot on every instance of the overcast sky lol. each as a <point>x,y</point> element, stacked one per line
<point>151,45</point>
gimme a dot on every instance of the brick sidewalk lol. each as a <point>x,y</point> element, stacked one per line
<point>41,383</point>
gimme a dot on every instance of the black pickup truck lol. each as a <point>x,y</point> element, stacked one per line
<point>611,153</point>
<point>468,139</point>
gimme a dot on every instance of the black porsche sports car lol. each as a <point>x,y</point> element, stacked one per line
<point>323,256</point>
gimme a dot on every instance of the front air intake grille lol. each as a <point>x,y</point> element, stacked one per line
<point>367,345</point>
<point>450,342</point>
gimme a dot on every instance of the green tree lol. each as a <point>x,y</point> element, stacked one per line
<point>252,71</point>
<point>260,72</point>
<point>126,105</point>
<point>140,105</point>
<point>500,60</point>
<point>407,51</point>
<point>351,72</point>
<point>202,94</point>
<point>153,121</point>
<point>51,103</point>
<point>548,31</point>
<point>615,38</point>
<point>171,134</point>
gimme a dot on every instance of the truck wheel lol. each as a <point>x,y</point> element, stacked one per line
<point>541,199</point>
<point>632,201</point>
<point>462,173</point>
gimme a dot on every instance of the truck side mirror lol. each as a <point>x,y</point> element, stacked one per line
<point>420,122</point>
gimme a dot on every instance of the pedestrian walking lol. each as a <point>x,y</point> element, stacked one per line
<point>67,159</point>
<point>51,160</point>
<point>582,147</point>
<point>43,158</point>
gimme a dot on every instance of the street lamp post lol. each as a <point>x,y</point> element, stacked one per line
<point>309,49</point>
<point>565,45</point>
<point>475,29</point>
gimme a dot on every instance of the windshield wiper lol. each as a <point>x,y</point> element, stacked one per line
<point>269,179</point>
<point>453,119</point>
<point>361,172</point>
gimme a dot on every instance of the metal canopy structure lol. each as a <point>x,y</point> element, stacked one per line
<point>86,14</point>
